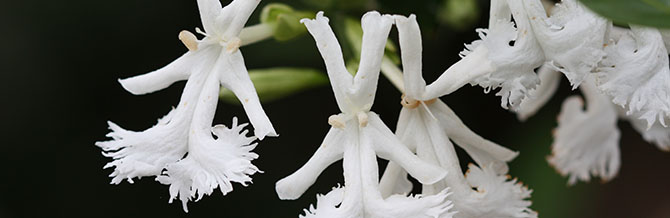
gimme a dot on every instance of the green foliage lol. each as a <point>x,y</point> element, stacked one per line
<point>285,20</point>
<point>654,13</point>
<point>459,14</point>
<point>276,83</point>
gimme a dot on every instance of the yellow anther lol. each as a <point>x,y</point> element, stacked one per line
<point>336,121</point>
<point>233,44</point>
<point>362,118</point>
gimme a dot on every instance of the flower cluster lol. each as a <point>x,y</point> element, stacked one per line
<point>623,73</point>
<point>425,127</point>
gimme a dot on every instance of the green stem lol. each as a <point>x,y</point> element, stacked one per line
<point>256,33</point>
<point>393,74</point>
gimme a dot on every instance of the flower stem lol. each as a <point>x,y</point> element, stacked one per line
<point>393,74</point>
<point>256,33</point>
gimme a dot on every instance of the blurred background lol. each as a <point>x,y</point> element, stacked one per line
<point>60,62</point>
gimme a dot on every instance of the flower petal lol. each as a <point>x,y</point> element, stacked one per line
<point>390,148</point>
<point>179,69</point>
<point>657,134</point>
<point>138,154</point>
<point>330,151</point>
<point>493,196</point>
<point>572,38</point>
<point>586,142</point>
<point>326,205</point>
<point>240,10</point>
<point>513,52</point>
<point>376,28</point>
<point>538,97</point>
<point>212,163</point>
<point>480,149</point>
<point>330,50</point>
<point>209,12</point>
<point>235,77</point>
<point>409,37</point>
<point>636,74</point>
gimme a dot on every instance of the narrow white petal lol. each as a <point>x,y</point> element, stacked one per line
<point>234,76</point>
<point>586,142</point>
<point>474,65</point>
<point>331,150</point>
<point>549,81</point>
<point>390,148</point>
<point>394,181</point>
<point>159,79</point>
<point>475,145</point>
<point>636,74</point>
<point>209,12</point>
<point>409,37</point>
<point>329,47</point>
<point>376,28</point>
<point>240,10</point>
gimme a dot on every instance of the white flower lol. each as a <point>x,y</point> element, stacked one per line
<point>636,74</point>
<point>505,57</point>
<point>538,97</point>
<point>586,143</point>
<point>187,130</point>
<point>358,136</point>
<point>572,38</point>
<point>426,125</point>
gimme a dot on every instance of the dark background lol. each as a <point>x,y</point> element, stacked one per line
<point>60,61</point>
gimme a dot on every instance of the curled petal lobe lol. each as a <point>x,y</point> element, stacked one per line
<point>514,53</point>
<point>140,154</point>
<point>493,195</point>
<point>657,134</point>
<point>212,163</point>
<point>586,143</point>
<point>636,74</point>
<point>326,205</point>
<point>572,38</point>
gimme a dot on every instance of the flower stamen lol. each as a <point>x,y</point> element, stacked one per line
<point>189,40</point>
<point>362,118</point>
<point>336,121</point>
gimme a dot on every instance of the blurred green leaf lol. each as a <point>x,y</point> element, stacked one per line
<point>458,14</point>
<point>276,83</point>
<point>654,13</point>
<point>285,20</point>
